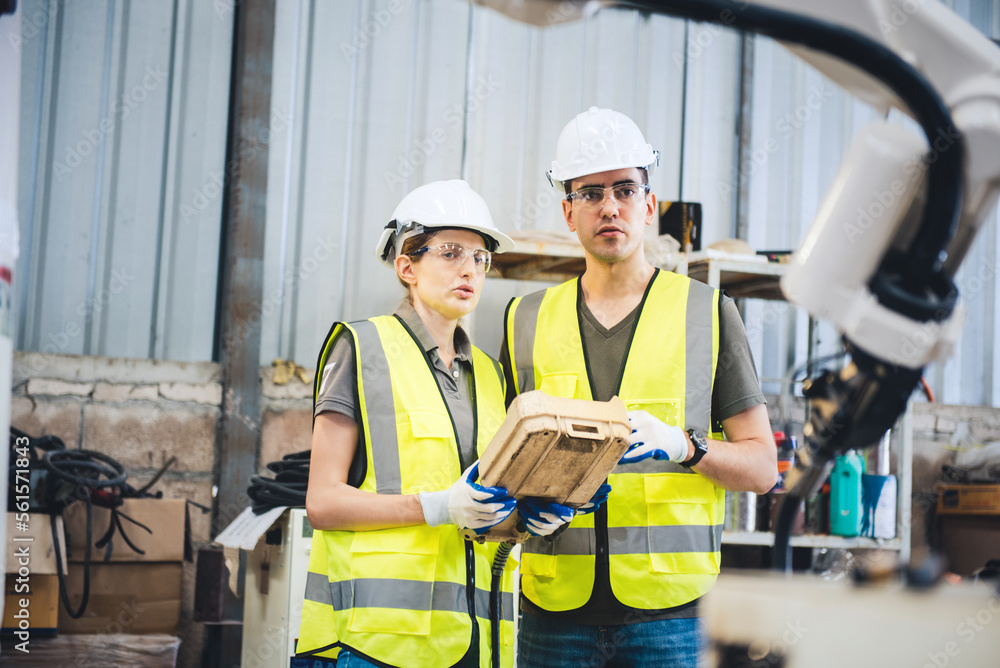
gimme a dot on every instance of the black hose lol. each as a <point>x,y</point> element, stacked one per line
<point>496,600</point>
<point>61,576</point>
<point>915,286</point>
<point>287,488</point>
<point>80,471</point>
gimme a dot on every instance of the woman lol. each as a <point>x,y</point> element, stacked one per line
<point>404,404</point>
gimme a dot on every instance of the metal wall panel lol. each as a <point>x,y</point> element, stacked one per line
<point>193,174</point>
<point>372,98</point>
<point>410,92</point>
<point>802,124</point>
<point>124,119</point>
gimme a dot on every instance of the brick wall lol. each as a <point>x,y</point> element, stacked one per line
<point>142,412</point>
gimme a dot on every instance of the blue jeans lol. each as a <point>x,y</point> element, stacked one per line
<point>544,642</point>
<point>348,660</point>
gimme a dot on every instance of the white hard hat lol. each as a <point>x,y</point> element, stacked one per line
<point>437,205</point>
<point>599,140</point>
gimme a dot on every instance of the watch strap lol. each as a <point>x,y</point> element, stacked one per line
<point>700,448</point>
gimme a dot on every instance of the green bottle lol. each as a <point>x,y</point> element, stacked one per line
<point>845,494</point>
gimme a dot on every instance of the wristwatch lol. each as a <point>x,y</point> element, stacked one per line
<point>700,448</point>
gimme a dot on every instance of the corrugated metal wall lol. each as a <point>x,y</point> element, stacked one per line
<point>123,135</point>
<point>389,95</point>
<point>372,98</point>
<point>801,125</point>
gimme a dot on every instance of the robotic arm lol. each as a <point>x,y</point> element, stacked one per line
<point>902,211</point>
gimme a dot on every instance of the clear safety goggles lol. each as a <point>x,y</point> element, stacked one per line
<point>456,255</point>
<point>592,197</point>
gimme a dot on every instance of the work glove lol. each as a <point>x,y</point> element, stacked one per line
<point>542,518</point>
<point>596,501</point>
<point>467,504</point>
<point>651,437</point>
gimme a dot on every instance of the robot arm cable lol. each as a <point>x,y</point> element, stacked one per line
<point>913,285</point>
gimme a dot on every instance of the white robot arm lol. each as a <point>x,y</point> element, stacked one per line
<point>903,209</point>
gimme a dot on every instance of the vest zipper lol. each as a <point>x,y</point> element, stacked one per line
<point>470,589</point>
<point>601,530</point>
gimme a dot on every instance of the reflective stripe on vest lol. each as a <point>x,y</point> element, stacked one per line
<point>662,519</point>
<point>404,595</point>
<point>400,595</point>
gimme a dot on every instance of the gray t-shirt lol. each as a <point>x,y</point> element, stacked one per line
<point>338,385</point>
<point>736,389</point>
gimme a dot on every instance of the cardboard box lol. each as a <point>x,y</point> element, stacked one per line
<point>125,598</point>
<point>170,539</point>
<point>969,500</point>
<point>155,650</point>
<point>32,533</point>
<point>969,541</point>
<point>40,601</point>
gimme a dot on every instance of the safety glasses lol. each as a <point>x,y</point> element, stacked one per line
<point>456,255</point>
<point>592,197</point>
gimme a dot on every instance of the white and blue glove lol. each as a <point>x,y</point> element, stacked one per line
<point>653,438</point>
<point>541,518</point>
<point>467,504</point>
<point>596,501</point>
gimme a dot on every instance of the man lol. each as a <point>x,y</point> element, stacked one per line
<point>620,586</point>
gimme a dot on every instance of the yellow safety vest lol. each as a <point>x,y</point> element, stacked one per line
<point>407,596</point>
<point>663,524</point>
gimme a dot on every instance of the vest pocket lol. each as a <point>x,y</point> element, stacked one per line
<point>392,581</point>
<point>681,529</point>
<point>665,410</point>
<point>559,385</point>
<point>429,424</point>
<point>539,565</point>
<point>430,433</point>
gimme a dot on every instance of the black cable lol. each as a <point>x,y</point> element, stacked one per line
<point>163,469</point>
<point>496,599</point>
<point>61,576</point>
<point>790,504</point>
<point>81,473</point>
<point>914,285</point>
<point>287,488</point>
